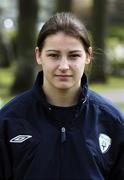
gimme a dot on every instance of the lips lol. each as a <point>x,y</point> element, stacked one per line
<point>63,77</point>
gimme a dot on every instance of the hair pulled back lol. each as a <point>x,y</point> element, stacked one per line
<point>66,23</point>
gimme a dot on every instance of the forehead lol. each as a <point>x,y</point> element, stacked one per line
<point>61,40</point>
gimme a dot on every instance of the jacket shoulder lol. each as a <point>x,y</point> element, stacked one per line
<point>105,105</point>
<point>17,105</point>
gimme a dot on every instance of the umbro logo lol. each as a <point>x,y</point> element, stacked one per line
<point>20,138</point>
<point>104,142</point>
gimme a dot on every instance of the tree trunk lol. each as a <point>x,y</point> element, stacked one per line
<point>28,11</point>
<point>4,54</point>
<point>98,72</point>
<point>64,5</point>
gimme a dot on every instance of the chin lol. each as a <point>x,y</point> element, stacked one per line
<point>63,87</point>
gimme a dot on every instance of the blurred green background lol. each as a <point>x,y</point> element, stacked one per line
<point>20,22</point>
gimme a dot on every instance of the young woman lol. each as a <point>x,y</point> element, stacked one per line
<point>60,129</point>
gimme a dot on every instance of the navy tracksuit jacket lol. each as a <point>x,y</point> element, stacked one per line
<point>33,146</point>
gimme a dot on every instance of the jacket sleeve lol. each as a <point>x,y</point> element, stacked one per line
<point>5,168</point>
<point>5,165</point>
<point>117,172</point>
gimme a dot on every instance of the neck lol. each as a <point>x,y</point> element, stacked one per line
<point>63,98</point>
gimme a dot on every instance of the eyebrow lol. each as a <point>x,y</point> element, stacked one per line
<point>52,50</point>
<point>73,51</point>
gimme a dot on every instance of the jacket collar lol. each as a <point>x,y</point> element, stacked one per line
<point>37,89</point>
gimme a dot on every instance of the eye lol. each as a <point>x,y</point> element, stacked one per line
<point>74,56</point>
<point>53,55</point>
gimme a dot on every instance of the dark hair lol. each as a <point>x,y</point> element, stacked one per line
<point>67,23</point>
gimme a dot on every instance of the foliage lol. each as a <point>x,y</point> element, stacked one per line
<point>117,68</point>
<point>115,49</point>
<point>116,32</point>
<point>6,80</point>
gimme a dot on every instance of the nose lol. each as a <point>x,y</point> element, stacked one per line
<point>64,64</point>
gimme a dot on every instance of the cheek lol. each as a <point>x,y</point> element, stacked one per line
<point>46,66</point>
<point>79,67</point>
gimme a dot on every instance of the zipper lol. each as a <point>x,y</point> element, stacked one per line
<point>63,134</point>
<point>62,141</point>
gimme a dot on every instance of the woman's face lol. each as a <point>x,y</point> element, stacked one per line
<point>63,60</point>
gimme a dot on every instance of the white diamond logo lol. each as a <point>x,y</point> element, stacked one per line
<point>104,142</point>
<point>20,138</point>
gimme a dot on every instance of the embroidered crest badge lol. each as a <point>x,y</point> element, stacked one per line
<point>20,138</point>
<point>104,142</point>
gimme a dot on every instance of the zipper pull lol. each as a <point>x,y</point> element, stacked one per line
<point>63,135</point>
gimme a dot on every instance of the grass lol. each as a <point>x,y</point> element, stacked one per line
<point>7,78</point>
<point>113,83</point>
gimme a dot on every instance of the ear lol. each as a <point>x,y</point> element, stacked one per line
<point>89,56</point>
<point>38,55</point>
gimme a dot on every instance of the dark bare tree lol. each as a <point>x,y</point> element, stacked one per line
<point>99,12</point>
<point>4,54</point>
<point>24,76</point>
<point>63,5</point>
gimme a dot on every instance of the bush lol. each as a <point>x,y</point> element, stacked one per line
<point>115,51</point>
<point>117,68</point>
